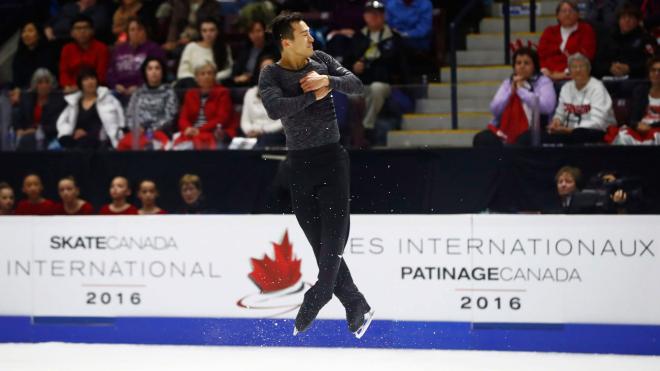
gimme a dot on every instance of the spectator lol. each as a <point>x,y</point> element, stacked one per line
<point>35,120</point>
<point>98,13</point>
<point>347,18</point>
<point>185,15</point>
<point>643,127</point>
<point>206,112</point>
<point>124,73</point>
<point>378,59</point>
<point>247,61</point>
<point>570,36</point>
<point>35,203</point>
<point>120,190</point>
<point>255,122</point>
<point>211,47</point>
<point>6,199</point>
<point>148,193</point>
<point>513,104</point>
<point>71,203</point>
<point>190,186</point>
<point>602,14</point>
<point>585,108</point>
<point>566,181</point>
<point>127,10</point>
<point>627,48</point>
<point>93,117</point>
<point>412,19</point>
<point>84,51</point>
<point>34,51</point>
<point>152,109</point>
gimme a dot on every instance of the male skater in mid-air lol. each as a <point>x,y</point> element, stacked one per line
<point>297,90</point>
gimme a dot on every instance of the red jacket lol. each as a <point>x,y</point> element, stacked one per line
<point>583,40</point>
<point>73,58</point>
<point>85,209</point>
<point>218,111</point>
<point>25,207</point>
<point>131,210</point>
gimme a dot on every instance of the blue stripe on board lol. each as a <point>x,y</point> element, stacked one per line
<point>573,338</point>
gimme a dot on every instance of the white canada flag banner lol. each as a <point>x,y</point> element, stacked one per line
<point>468,268</point>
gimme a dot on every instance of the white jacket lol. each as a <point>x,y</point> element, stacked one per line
<point>254,115</point>
<point>589,108</point>
<point>109,109</point>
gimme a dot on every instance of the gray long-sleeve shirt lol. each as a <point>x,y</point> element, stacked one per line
<point>307,123</point>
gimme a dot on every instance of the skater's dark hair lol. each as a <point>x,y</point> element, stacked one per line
<point>86,73</point>
<point>82,18</point>
<point>5,185</point>
<point>281,26</point>
<point>143,68</point>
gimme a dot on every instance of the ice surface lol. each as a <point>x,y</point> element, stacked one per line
<point>102,357</point>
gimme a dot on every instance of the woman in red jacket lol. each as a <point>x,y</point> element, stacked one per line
<point>570,36</point>
<point>206,115</point>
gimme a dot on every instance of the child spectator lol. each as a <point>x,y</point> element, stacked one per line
<point>206,112</point>
<point>35,120</point>
<point>255,122</point>
<point>84,51</point>
<point>71,203</point>
<point>93,117</point>
<point>570,36</point>
<point>190,187</point>
<point>120,190</point>
<point>148,193</point>
<point>35,203</point>
<point>151,110</point>
<point>211,47</point>
<point>125,71</point>
<point>6,199</point>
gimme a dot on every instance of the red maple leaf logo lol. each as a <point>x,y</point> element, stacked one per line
<point>274,275</point>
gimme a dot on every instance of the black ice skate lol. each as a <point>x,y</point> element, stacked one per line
<point>359,320</point>
<point>306,315</point>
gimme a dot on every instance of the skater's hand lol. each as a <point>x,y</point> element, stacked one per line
<point>321,93</point>
<point>313,81</point>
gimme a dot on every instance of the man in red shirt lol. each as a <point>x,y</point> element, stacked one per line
<point>84,50</point>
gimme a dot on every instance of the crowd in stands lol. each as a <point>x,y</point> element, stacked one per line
<point>81,76</point>
<point>120,195</point>
<point>600,69</point>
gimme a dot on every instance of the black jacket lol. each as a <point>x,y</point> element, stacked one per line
<point>633,49</point>
<point>390,67</point>
<point>27,61</point>
<point>24,115</point>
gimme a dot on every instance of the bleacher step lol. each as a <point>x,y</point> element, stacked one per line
<point>477,73</point>
<point>430,138</point>
<point>442,121</point>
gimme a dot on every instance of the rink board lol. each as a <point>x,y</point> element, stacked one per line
<point>488,282</point>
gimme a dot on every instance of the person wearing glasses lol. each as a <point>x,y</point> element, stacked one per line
<point>584,110</point>
<point>569,36</point>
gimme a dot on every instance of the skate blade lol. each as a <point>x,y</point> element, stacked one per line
<point>363,329</point>
<point>295,331</point>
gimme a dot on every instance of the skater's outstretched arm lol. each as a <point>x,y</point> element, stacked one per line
<point>341,79</point>
<point>276,104</point>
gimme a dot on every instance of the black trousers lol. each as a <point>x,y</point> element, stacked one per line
<point>320,190</point>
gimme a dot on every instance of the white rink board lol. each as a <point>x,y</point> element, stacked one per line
<point>517,268</point>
